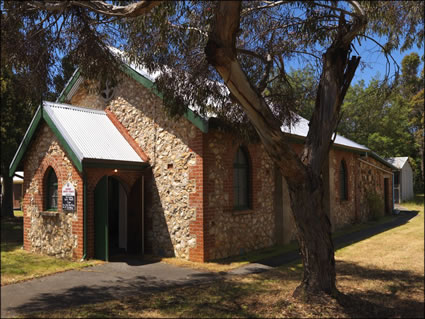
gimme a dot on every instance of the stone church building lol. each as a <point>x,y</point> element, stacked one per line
<point>109,173</point>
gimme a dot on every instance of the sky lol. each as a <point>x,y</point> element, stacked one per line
<point>377,63</point>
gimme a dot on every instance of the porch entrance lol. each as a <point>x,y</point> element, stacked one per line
<point>116,217</point>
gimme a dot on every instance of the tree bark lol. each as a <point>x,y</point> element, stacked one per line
<point>303,174</point>
<point>128,11</point>
<point>7,198</point>
<point>314,238</point>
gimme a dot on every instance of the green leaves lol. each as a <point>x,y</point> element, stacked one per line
<point>388,119</point>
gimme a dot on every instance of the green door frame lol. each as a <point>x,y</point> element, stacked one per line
<point>101,245</point>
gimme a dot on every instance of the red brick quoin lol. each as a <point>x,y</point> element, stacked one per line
<point>35,173</point>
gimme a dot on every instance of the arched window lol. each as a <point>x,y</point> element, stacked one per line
<point>51,190</point>
<point>241,180</point>
<point>343,181</point>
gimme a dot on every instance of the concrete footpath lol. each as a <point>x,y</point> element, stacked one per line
<point>118,279</point>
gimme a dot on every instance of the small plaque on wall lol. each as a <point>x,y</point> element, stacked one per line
<point>68,197</point>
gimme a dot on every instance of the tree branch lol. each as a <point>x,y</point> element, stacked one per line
<point>263,83</point>
<point>384,50</point>
<point>131,10</point>
<point>176,26</point>
<point>336,8</point>
<point>269,4</point>
<point>252,53</point>
<point>221,53</point>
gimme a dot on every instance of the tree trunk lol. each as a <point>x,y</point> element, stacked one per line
<point>7,198</point>
<point>314,238</point>
<point>302,173</point>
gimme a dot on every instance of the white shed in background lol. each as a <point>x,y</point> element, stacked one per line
<point>403,179</point>
<point>18,191</point>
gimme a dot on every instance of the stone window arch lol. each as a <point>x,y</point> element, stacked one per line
<point>51,190</point>
<point>343,181</point>
<point>241,180</point>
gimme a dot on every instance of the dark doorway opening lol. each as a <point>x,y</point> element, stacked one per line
<point>110,218</point>
<point>117,218</point>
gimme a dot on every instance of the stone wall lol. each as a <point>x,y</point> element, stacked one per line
<point>371,179</point>
<point>228,231</point>
<point>174,157</point>
<point>57,233</point>
<point>190,205</point>
<point>343,211</point>
<point>364,180</point>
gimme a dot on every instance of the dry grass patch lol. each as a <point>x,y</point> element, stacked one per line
<point>19,265</point>
<point>387,270</point>
<point>382,276</point>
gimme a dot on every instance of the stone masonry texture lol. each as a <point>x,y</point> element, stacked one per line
<point>57,233</point>
<point>189,209</point>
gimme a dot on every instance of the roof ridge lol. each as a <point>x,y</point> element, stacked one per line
<point>73,107</point>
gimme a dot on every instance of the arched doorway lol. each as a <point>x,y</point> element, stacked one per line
<point>110,218</point>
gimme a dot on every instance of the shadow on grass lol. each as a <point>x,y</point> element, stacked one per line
<point>266,294</point>
<point>7,247</point>
<point>399,295</point>
<point>345,240</point>
<point>280,255</point>
<point>11,230</point>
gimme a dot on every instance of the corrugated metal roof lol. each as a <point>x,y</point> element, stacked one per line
<point>398,161</point>
<point>90,133</point>
<point>300,128</point>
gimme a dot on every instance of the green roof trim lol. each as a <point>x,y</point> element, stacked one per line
<point>140,79</point>
<point>25,142</point>
<point>69,86</point>
<point>196,120</point>
<point>42,114</point>
<point>73,157</point>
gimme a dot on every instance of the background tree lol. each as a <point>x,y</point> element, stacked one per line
<point>23,82</point>
<point>16,113</point>
<point>412,93</point>
<point>389,118</point>
<point>230,58</point>
<point>67,68</point>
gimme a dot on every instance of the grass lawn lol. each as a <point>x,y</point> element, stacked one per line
<point>18,213</point>
<point>252,257</point>
<point>382,276</point>
<point>18,265</point>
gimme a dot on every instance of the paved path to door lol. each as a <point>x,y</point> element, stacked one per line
<point>118,279</point>
<point>94,284</point>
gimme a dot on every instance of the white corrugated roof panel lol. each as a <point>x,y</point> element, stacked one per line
<point>90,133</point>
<point>300,128</point>
<point>398,161</point>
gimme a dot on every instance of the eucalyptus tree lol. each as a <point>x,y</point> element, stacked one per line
<point>230,58</point>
